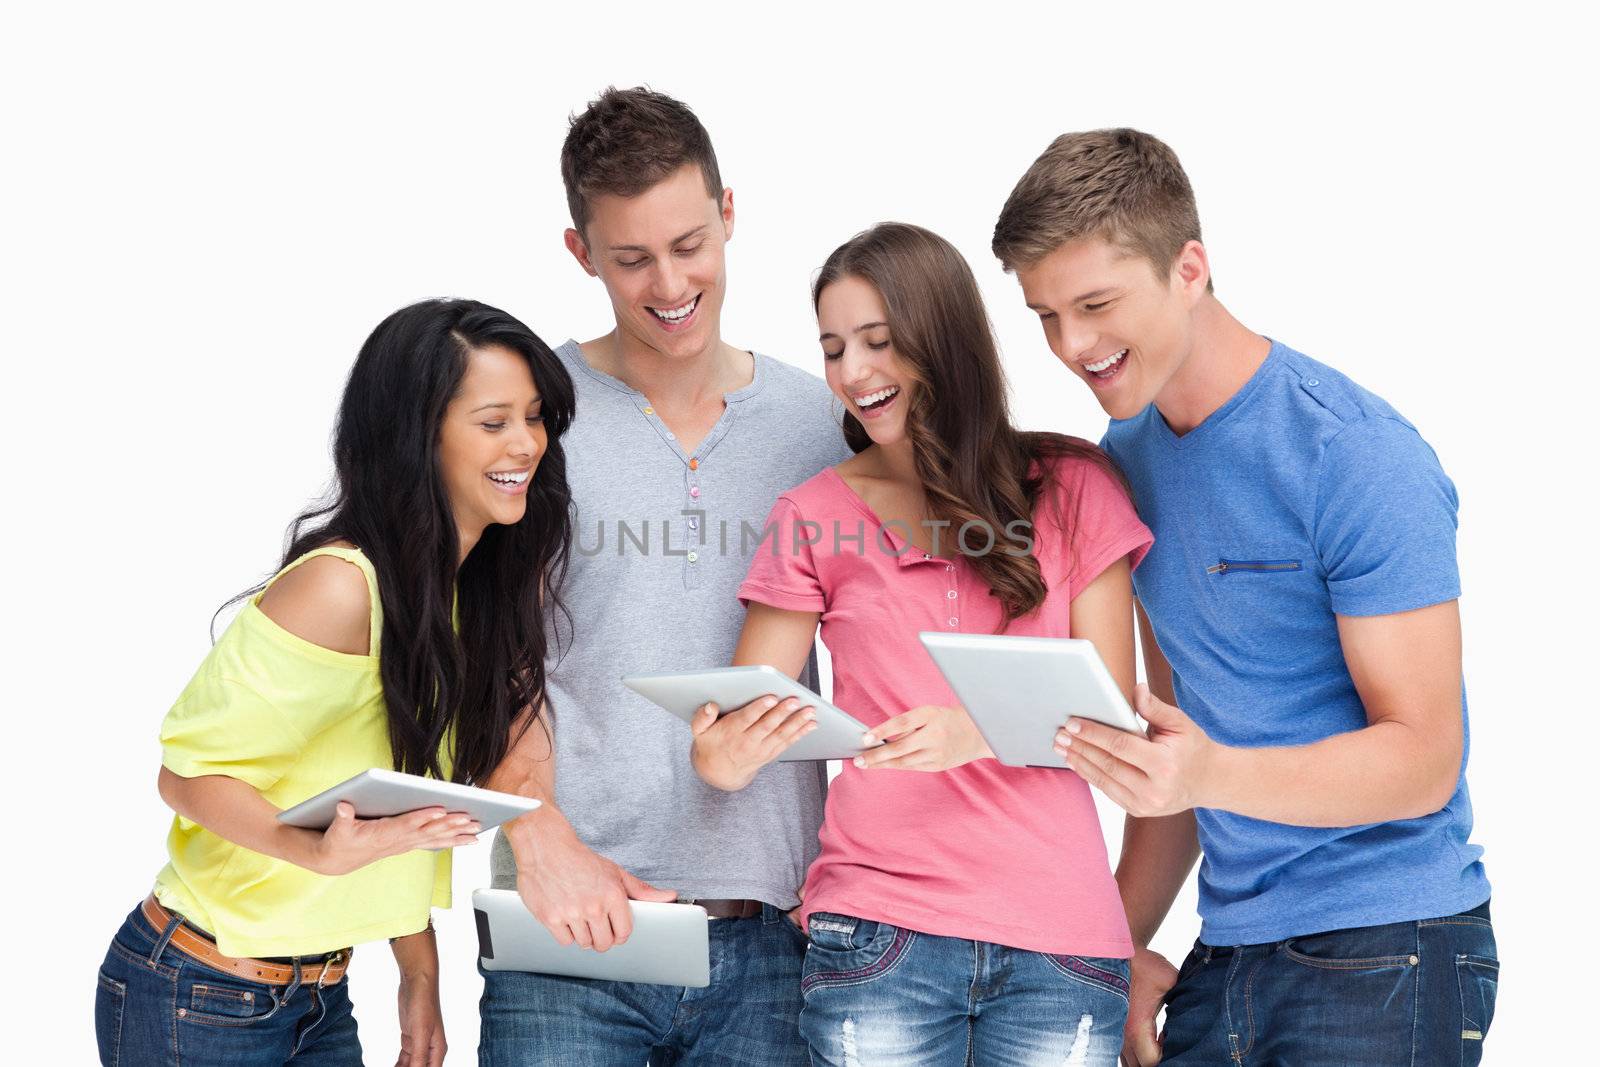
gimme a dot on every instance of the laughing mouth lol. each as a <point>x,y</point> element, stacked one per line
<point>878,398</point>
<point>508,477</point>
<point>677,314</point>
<point>1105,366</point>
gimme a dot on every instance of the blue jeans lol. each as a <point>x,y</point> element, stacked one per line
<point>157,1007</point>
<point>1413,994</point>
<point>745,1016</point>
<point>877,994</point>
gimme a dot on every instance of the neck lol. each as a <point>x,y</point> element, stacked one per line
<point>670,381</point>
<point>467,540</point>
<point>898,462</point>
<point>1223,355</point>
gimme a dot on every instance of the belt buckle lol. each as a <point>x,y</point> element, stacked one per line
<point>342,956</point>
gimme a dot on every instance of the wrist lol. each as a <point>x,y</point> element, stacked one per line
<point>1216,770</point>
<point>537,834</point>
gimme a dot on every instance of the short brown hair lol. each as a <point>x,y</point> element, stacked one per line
<point>628,140</point>
<point>1122,185</point>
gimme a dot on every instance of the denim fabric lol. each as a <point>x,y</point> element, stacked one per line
<point>1413,994</point>
<point>881,995</point>
<point>747,1015</point>
<point>157,1007</point>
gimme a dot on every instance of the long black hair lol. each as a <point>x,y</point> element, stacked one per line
<point>466,686</point>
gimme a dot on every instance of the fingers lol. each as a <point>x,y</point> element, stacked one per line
<point>704,719</point>
<point>639,889</point>
<point>1087,768</point>
<point>793,729</point>
<point>777,716</point>
<point>1130,747</point>
<point>893,754</point>
<point>901,724</point>
<point>1154,710</point>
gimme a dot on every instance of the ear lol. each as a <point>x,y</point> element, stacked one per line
<point>727,214</point>
<point>580,251</point>
<point>1191,272</point>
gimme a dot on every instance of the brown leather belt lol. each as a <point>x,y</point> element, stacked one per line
<point>727,909</point>
<point>190,943</point>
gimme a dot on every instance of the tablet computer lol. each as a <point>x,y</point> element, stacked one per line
<point>670,943</point>
<point>837,736</point>
<point>1021,690</point>
<point>379,793</point>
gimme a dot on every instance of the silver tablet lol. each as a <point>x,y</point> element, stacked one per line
<point>670,944</point>
<point>1021,690</point>
<point>379,793</point>
<point>837,736</point>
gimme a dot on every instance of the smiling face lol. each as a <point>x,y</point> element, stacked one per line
<point>660,257</point>
<point>490,442</point>
<point>862,369</point>
<point>1113,320</point>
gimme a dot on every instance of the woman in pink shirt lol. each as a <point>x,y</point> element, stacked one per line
<point>960,911</point>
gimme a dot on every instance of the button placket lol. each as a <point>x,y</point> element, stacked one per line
<point>952,596</point>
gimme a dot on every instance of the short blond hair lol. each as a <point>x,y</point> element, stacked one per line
<point>1122,185</point>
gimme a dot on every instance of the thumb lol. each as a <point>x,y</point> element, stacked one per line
<point>638,889</point>
<point>344,811</point>
<point>704,719</point>
<point>1154,710</point>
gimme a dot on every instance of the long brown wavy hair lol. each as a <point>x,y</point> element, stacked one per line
<point>974,464</point>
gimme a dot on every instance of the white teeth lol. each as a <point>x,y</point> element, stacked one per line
<point>508,478</point>
<point>868,399</point>
<point>676,313</point>
<point>1105,364</point>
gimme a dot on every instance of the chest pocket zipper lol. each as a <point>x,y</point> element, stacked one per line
<point>1223,566</point>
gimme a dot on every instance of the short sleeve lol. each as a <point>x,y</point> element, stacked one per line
<point>1385,521</point>
<point>1101,521</point>
<point>783,570</point>
<point>220,726</point>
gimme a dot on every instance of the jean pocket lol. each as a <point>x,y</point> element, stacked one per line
<point>1105,974</point>
<point>1479,980</point>
<point>217,1004</point>
<point>110,1000</point>
<point>847,951</point>
<point>1334,952</point>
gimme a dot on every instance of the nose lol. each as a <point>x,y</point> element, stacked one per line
<point>522,445</point>
<point>668,280</point>
<point>1077,337</point>
<point>854,367</point>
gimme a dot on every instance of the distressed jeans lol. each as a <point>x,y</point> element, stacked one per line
<point>878,995</point>
<point>1411,994</point>
<point>745,1016</point>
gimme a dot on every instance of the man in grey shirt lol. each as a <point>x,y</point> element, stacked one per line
<point>679,449</point>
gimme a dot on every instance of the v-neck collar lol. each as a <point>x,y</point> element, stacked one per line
<point>905,552</point>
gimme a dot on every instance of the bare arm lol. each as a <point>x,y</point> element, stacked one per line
<point>422,1041</point>
<point>323,601</point>
<point>579,895</point>
<point>1403,764</point>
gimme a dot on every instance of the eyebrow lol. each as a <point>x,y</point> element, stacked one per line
<point>508,405</point>
<point>1077,299</point>
<point>858,329</point>
<point>676,240</point>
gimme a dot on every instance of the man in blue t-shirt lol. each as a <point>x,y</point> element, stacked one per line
<point>1299,605</point>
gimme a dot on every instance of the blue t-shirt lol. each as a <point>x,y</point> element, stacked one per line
<point>1303,497</point>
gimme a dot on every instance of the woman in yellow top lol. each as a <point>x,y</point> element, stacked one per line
<point>404,630</point>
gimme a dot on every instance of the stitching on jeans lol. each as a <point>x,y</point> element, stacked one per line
<point>1457,920</point>
<point>1416,997</point>
<point>1370,963</point>
<point>1227,1003</point>
<point>1077,968</point>
<point>1250,1008</point>
<point>877,968</point>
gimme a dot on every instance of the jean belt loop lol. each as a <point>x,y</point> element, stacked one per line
<point>166,936</point>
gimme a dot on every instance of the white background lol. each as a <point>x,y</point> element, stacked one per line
<point>209,206</point>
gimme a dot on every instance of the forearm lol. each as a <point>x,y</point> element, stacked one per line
<point>529,770</point>
<point>1384,772</point>
<point>1157,856</point>
<point>237,812</point>
<point>417,956</point>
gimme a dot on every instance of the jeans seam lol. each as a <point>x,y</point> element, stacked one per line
<point>1227,1004</point>
<point>118,990</point>
<point>887,962</point>
<point>1110,983</point>
<point>1250,1008</point>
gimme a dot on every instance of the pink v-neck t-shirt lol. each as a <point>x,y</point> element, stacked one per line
<point>1008,855</point>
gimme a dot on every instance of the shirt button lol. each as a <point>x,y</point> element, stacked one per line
<point>949,567</point>
<point>694,464</point>
<point>1312,382</point>
<point>671,436</point>
<point>694,557</point>
<point>952,624</point>
<point>694,490</point>
<point>649,411</point>
<point>951,594</point>
<point>694,523</point>
<point>926,556</point>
